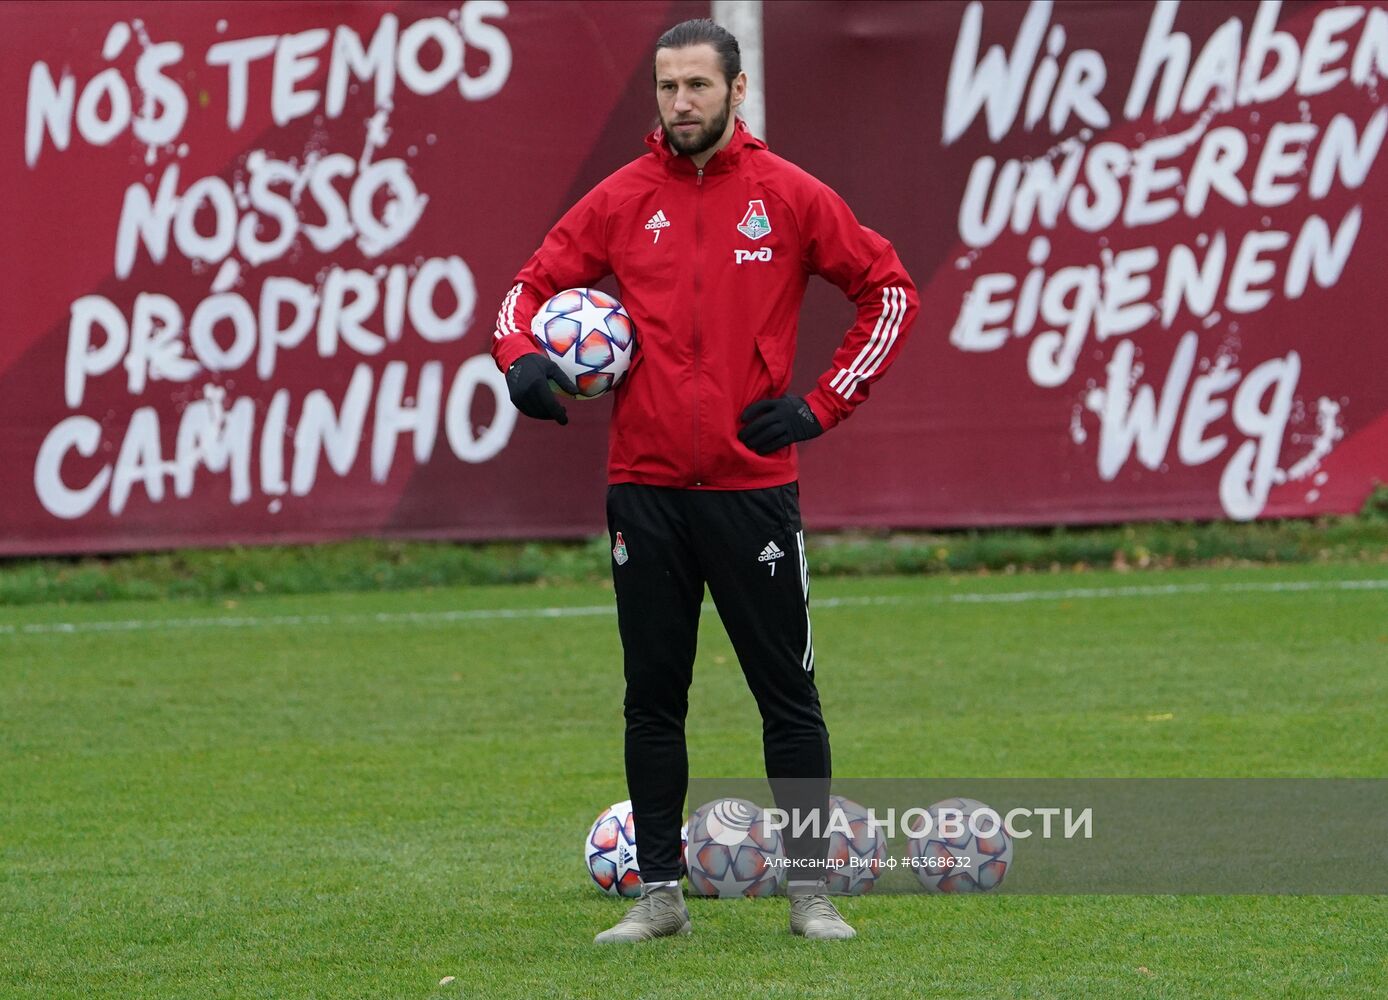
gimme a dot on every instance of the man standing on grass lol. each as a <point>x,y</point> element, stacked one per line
<point>712,239</point>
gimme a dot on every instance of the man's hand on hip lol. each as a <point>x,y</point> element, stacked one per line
<point>772,424</point>
<point>528,383</point>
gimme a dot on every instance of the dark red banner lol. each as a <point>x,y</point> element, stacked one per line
<point>256,251</point>
<point>1148,240</point>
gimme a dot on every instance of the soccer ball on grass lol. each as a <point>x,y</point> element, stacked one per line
<point>965,849</point>
<point>732,852</point>
<point>856,857</point>
<point>609,851</point>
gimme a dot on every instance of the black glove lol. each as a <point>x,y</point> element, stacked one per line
<point>528,383</point>
<point>772,424</point>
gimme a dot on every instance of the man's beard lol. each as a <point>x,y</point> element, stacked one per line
<point>707,137</point>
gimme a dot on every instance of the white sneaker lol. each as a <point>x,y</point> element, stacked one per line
<point>658,913</point>
<point>813,916</point>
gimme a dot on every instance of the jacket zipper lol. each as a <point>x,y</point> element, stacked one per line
<point>698,295</point>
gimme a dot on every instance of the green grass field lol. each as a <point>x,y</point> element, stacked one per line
<point>357,795</point>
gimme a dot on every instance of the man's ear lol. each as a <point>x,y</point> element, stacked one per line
<point>739,89</point>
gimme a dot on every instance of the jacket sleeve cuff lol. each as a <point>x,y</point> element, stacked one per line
<point>512,348</point>
<point>826,416</point>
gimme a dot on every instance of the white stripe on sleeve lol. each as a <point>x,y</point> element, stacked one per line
<point>884,348</point>
<point>878,345</point>
<point>506,316</point>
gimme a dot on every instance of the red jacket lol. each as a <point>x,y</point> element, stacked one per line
<point>712,267</point>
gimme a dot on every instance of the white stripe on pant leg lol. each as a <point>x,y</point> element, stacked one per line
<point>807,658</point>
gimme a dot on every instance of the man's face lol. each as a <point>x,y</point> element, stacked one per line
<point>695,101</point>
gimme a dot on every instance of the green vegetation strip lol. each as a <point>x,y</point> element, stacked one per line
<point>370,564</point>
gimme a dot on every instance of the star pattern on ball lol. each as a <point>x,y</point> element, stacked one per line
<point>590,339</point>
<point>621,357</point>
<point>860,868</point>
<point>729,885</point>
<point>590,316</point>
<point>568,363</point>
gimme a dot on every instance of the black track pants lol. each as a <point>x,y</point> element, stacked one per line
<point>748,547</point>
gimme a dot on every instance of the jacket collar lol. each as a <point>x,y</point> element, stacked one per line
<point>725,159</point>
